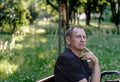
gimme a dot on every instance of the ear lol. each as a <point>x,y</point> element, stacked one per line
<point>68,40</point>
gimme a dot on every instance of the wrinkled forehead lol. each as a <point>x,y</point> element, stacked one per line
<point>78,31</point>
<point>74,29</point>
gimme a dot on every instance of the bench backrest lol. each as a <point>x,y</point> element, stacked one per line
<point>48,79</point>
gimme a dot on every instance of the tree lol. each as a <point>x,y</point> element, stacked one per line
<point>63,17</point>
<point>102,4</point>
<point>13,13</point>
<point>88,12</point>
<point>115,7</point>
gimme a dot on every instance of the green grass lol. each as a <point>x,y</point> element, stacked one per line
<point>106,47</point>
<point>34,55</point>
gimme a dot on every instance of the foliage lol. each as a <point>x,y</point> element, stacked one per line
<point>107,15</point>
<point>13,13</point>
<point>35,9</point>
<point>34,55</point>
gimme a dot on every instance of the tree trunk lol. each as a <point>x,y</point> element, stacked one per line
<point>65,14</point>
<point>59,29</point>
<point>63,21</point>
<point>65,17</point>
<point>88,17</point>
<point>88,12</point>
<point>100,17</point>
<point>116,14</point>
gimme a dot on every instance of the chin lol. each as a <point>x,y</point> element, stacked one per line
<point>82,48</point>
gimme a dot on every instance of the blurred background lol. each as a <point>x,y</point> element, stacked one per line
<point>32,34</point>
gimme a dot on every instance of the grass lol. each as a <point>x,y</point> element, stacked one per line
<point>106,47</point>
<point>34,55</point>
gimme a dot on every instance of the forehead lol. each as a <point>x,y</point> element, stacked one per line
<point>79,31</point>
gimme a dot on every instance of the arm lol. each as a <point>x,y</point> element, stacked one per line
<point>95,77</point>
<point>94,64</point>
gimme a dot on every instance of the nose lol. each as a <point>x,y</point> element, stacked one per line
<point>82,39</point>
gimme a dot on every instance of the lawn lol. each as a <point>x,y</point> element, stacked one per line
<point>34,54</point>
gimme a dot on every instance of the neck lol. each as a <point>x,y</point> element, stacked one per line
<point>76,52</point>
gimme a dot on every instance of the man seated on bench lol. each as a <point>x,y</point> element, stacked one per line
<point>73,65</point>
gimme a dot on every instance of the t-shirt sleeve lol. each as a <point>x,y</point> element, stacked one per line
<point>71,69</point>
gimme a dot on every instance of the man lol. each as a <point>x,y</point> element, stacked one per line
<point>74,65</point>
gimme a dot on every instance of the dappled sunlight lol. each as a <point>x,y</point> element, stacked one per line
<point>102,25</point>
<point>43,40</point>
<point>24,41</point>
<point>54,50</point>
<point>48,53</point>
<point>82,23</point>
<point>7,69</point>
<point>33,42</point>
<point>37,30</point>
<point>41,56</point>
<point>34,55</point>
<point>20,38</point>
<point>106,26</point>
<point>94,24</point>
<point>16,42</point>
<point>42,22</point>
<point>24,29</point>
<point>33,29</point>
<point>18,46</point>
<point>40,31</point>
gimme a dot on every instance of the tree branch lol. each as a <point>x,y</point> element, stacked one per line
<point>53,6</point>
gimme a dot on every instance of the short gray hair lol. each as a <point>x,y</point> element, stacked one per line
<point>70,30</point>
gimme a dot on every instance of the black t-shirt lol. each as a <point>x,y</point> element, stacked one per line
<point>70,68</point>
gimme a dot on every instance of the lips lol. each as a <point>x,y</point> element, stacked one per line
<point>82,44</point>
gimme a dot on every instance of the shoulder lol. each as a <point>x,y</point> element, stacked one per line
<point>67,54</point>
<point>67,57</point>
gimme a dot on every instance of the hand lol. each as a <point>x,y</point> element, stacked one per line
<point>89,56</point>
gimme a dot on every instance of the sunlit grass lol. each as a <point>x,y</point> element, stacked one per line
<point>94,23</point>
<point>7,69</point>
<point>34,55</point>
<point>40,31</point>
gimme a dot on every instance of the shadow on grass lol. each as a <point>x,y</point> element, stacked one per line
<point>32,56</point>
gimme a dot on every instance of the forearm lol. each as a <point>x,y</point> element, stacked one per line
<point>96,73</point>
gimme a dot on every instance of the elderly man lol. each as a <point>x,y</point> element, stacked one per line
<point>77,63</point>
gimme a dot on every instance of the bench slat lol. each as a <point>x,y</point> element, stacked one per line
<point>47,79</point>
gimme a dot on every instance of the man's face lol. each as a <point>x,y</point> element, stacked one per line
<point>78,39</point>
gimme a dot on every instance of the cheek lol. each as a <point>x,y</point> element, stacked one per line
<point>75,42</point>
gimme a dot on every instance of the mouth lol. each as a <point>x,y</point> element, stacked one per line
<point>82,44</point>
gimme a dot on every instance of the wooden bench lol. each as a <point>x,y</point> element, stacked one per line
<point>47,79</point>
<point>104,73</point>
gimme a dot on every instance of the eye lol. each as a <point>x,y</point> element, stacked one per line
<point>84,36</point>
<point>79,36</point>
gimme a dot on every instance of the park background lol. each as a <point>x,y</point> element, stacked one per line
<point>32,35</point>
